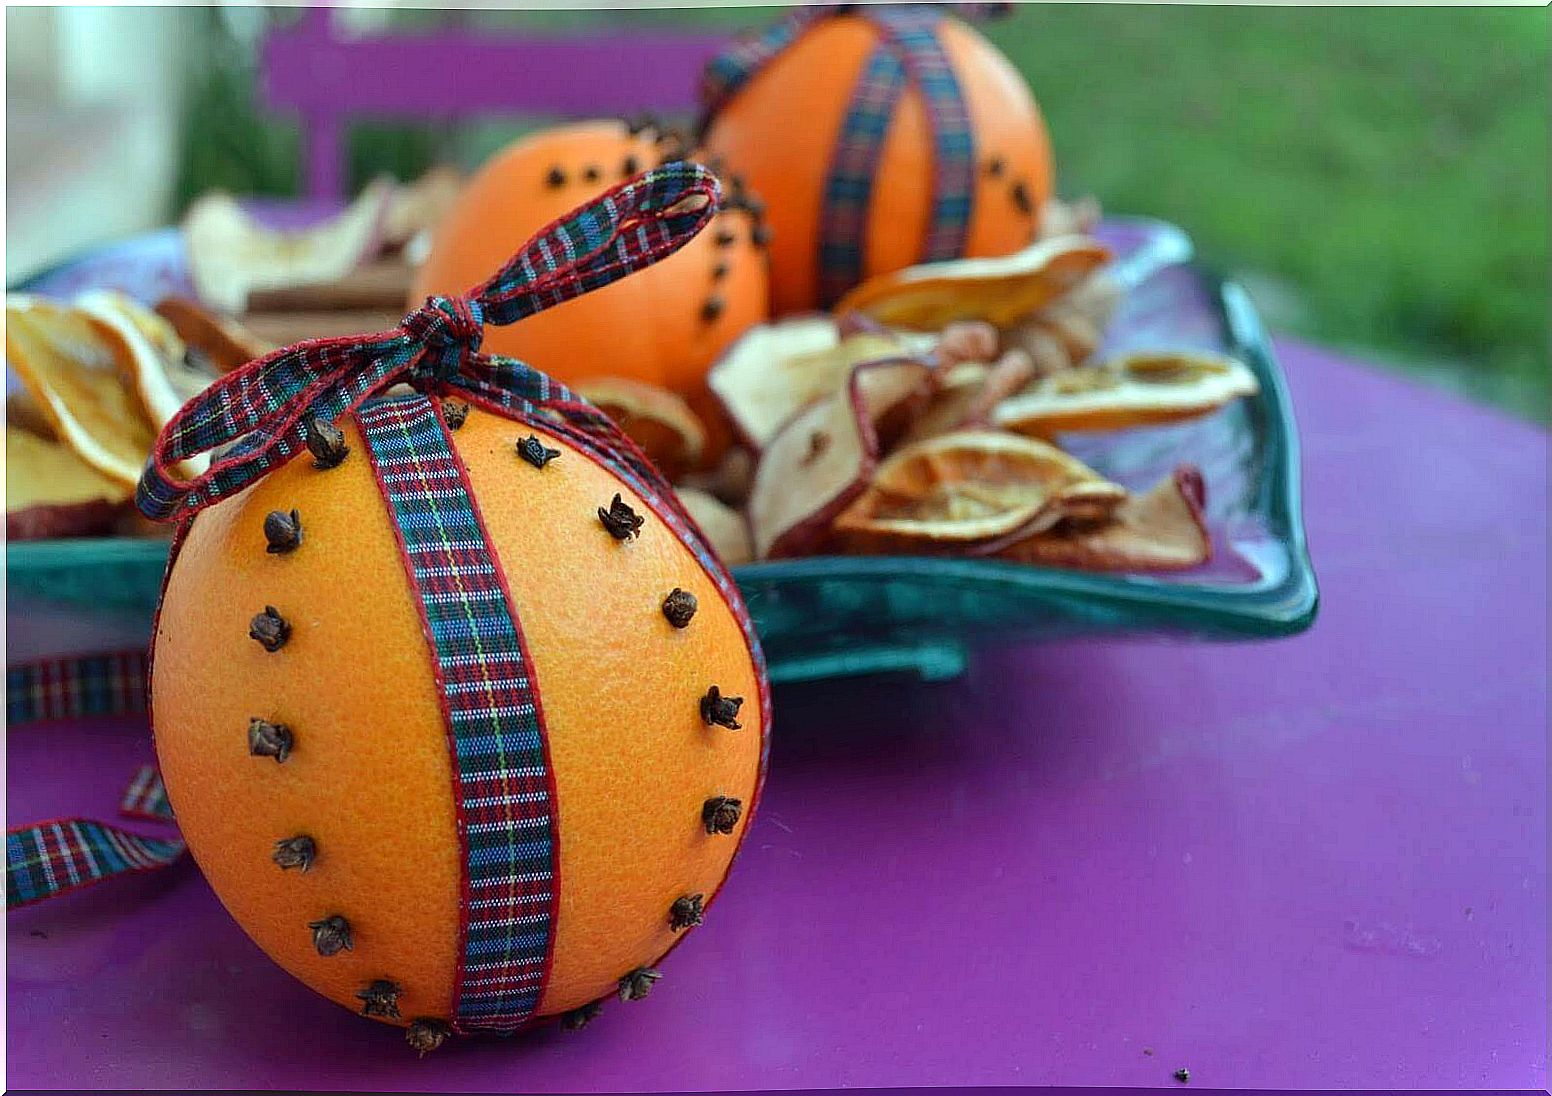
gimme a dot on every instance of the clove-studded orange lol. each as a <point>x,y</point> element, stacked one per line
<point>450,698</point>
<point>665,326</point>
<point>880,137</point>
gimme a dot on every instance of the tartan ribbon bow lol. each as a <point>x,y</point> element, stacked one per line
<point>259,415</point>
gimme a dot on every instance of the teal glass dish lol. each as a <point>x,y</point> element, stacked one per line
<point>839,616</point>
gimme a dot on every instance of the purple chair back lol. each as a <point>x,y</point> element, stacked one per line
<point>327,78</point>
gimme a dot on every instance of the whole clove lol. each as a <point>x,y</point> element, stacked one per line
<point>534,451</point>
<point>282,531</point>
<point>331,935</point>
<point>325,442</point>
<point>721,711</point>
<point>578,1018</point>
<point>686,912</point>
<point>380,998</point>
<point>638,983</point>
<point>266,739</point>
<point>720,814</point>
<point>679,607</point>
<point>295,852</point>
<point>425,1035</point>
<point>620,520</point>
<point>270,629</point>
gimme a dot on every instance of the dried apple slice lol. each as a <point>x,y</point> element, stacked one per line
<point>824,456</point>
<point>775,369</point>
<point>223,342</point>
<point>70,371</point>
<point>969,492</point>
<point>230,254</point>
<point>51,492</point>
<point>418,207</point>
<point>1001,291</point>
<point>671,434</point>
<point>1162,530</point>
<point>1137,389</point>
<point>1066,333</point>
<point>724,527</point>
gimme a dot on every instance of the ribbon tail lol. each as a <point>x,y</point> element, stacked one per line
<point>63,855</point>
<point>54,858</point>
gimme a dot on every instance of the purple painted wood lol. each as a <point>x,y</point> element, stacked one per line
<point>326,78</point>
<point>324,151</point>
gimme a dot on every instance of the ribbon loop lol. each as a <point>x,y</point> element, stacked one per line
<point>256,414</point>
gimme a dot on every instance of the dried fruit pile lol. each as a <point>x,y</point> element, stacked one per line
<point>97,380</point>
<point>924,417</point>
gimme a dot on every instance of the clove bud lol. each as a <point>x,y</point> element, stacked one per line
<point>270,629</point>
<point>679,607</point>
<point>266,739</point>
<point>380,998</point>
<point>638,983</point>
<point>620,520</point>
<point>325,442</point>
<point>295,852</point>
<point>425,1035</point>
<point>283,531</point>
<point>532,450</point>
<point>721,711</point>
<point>720,814</point>
<point>578,1018</point>
<point>686,912</point>
<point>331,935</point>
<point>1021,199</point>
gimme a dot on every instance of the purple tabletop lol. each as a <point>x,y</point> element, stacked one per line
<point>1317,862</point>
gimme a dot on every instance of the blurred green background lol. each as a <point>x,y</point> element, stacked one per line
<point>1378,177</point>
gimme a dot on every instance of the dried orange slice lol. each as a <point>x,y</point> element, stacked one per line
<point>222,342</point>
<point>51,492</point>
<point>230,254</point>
<point>824,456</point>
<point>654,418</point>
<point>1136,389</point>
<point>724,527</point>
<point>71,372</point>
<point>970,491</point>
<point>152,359</point>
<point>776,369</point>
<point>1162,530</point>
<point>1001,291</point>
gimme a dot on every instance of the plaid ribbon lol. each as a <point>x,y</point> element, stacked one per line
<point>502,787</point>
<point>262,410</point>
<point>76,688</point>
<point>63,855</point>
<point>908,53</point>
